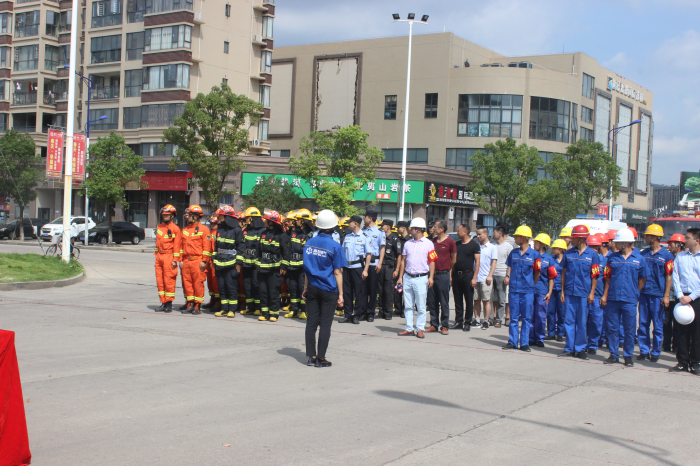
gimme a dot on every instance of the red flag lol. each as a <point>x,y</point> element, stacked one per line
<point>54,155</point>
<point>78,158</point>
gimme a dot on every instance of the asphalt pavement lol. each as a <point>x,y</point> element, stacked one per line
<point>107,380</point>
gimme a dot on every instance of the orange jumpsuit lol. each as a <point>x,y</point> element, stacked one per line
<point>196,248</point>
<point>168,246</point>
<point>212,282</point>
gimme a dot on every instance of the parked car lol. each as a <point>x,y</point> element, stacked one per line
<point>55,228</point>
<point>121,233</point>
<point>31,228</point>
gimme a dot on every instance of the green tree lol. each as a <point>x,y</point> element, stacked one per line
<point>693,184</point>
<point>210,134</point>
<point>337,165</point>
<point>501,177</point>
<point>545,207</point>
<point>113,166</point>
<point>19,170</point>
<point>273,194</point>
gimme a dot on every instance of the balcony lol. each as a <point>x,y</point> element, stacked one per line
<point>162,6</point>
<point>24,98</point>
<point>49,98</point>
<point>105,92</point>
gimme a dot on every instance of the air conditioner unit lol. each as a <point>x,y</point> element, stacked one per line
<point>256,142</point>
<point>257,38</point>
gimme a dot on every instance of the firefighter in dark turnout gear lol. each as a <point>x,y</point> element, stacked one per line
<point>271,262</point>
<point>227,259</point>
<point>298,236</point>
<point>251,238</point>
<point>389,272</point>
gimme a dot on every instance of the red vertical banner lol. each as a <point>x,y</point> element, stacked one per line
<point>603,209</point>
<point>54,155</point>
<point>78,158</point>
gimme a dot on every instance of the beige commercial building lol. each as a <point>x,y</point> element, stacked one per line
<point>462,97</point>
<point>145,58</point>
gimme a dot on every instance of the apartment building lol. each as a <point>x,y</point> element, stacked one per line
<point>146,59</point>
<point>666,197</point>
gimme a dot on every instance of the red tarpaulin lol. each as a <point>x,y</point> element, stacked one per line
<point>14,443</point>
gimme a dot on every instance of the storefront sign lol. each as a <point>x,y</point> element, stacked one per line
<point>624,89</point>
<point>166,181</point>
<point>381,190</point>
<point>603,209</point>
<point>635,216</point>
<point>54,155</point>
<point>438,193</point>
<point>78,158</point>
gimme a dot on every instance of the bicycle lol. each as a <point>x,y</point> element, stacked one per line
<point>56,249</point>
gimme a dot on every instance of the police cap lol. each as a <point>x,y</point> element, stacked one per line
<point>402,223</point>
<point>371,213</point>
<point>389,223</point>
<point>355,218</point>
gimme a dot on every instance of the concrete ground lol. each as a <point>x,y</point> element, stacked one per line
<point>107,380</point>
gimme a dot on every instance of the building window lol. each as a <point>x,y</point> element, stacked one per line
<point>166,77</point>
<point>602,120</point>
<point>263,126</point>
<point>224,81</point>
<point>588,87</point>
<point>549,119</point>
<point>106,49</point>
<point>170,37</point>
<point>632,184</point>
<point>267,23</point>
<point>266,61</point>
<point>152,149</point>
<point>490,115</point>
<point>156,116</point>
<point>228,10</point>
<point>135,10</point>
<point>157,6</point>
<point>27,23</point>
<point>106,13</point>
<point>390,107</point>
<point>27,58</point>
<point>574,122</point>
<point>460,159</point>
<point>6,23</point>
<point>586,114</point>
<point>53,18</point>
<point>51,58</point>
<point>133,82</point>
<point>4,118</point>
<point>111,122</point>
<point>5,57</point>
<point>280,153</point>
<point>436,213</point>
<point>586,134</point>
<point>132,117</point>
<point>5,89</point>
<point>265,96</point>
<point>623,142</point>
<point>64,21</point>
<point>225,46</point>
<point>646,137</point>
<point>431,102</point>
<point>541,171</point>
<point>417,156</point>
<point>134,46</point>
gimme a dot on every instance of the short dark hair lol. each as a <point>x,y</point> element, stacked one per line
<point>482,227</point>
<point>466,227</point>
<point>501,229</point>
<point>694,232</point>
<point>328,231</point>
<point>441,224</point>
<point>504,228</point>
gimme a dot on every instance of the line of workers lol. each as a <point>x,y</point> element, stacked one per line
<point>252,263</point>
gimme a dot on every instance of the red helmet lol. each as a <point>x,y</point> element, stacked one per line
<point>241,214</point>
<point>273,216</point>
<point>612,234</point>
<point>228,211</point>
<point>168,209</point>
<point>219,211</point>
<point>678,238</point>
<point>634,232</point>
<point>195,209</point>
<point>596,240</point>
<point>580,231</point>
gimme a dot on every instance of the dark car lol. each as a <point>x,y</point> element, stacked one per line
<point>31,227</point>
<point>121,233</point>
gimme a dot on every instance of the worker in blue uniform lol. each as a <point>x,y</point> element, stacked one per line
<point>625,275</point>
<point>579,277</point>
<point>521,275</point>
<point>655,296</point>
<point>595,312</point>
<point>377,245</point>
<point>358,256</point>
<point>555,310</point>
<point>543,291</point>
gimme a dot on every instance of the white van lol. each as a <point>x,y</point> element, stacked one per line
<point>597,226</point>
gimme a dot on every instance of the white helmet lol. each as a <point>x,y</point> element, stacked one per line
<point>684,314</point>
<point>326,220</point>
<point>624,236</point>
<point>417,222</point>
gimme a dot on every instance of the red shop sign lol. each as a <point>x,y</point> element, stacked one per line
<point>166,181</point>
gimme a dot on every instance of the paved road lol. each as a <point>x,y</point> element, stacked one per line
<point>108,381</point>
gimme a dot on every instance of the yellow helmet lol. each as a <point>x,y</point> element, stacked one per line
<point>566,232</point>
<point>314,217</point>
<point>252,212</point>
<point>543,238</point>
<point>303,213</point>
<point>344,221</point>
<point>291,215</point>
<point>559,243</point>
<point>523,230</point>
<point>654,230</point>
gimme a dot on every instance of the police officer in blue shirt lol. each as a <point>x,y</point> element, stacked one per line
<point>625,275</point>
<point>655,297</point>
<point>377,244</point>
<point>324,261</point>
<point>358,256</point>
<point>555,311</point>
<point>522,274</point>
<point>595,312</point>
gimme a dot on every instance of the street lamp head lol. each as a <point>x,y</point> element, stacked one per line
<point>424,19</point>
<point>396,16</point>
<point>66,66</point>
<point>103,117</point>
<point>635,122</point>
<point>411,16</point>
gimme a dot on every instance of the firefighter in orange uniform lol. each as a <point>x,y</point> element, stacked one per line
<point>212,282</point>
<point>185,222</point>
<point>196,254</point>
<point>168,245</point>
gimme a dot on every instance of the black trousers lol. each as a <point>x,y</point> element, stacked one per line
<point>252,293</point>
<point>320,309</point>
<point>386,289</point>
<point>353,292</point>
<point>689,339</point>
<point>440,309</point>
<point>270,285</point>
<point>295,286</point>
<point>462,291</point>
<point>671,329</point>
<point>371,285</point>
<point>227,279</point>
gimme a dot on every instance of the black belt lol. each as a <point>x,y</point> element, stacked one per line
<point>354,262</point>
<point>442,271</point>
<point>463,272</point>
<point>297,256</point>
<point>374,258</point>
<point>416,275</point>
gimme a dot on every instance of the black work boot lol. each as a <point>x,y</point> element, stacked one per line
<point>161,308</point>
<point>184,306</point>
<point>168,307</point>
<point>190,307</point>
<point>210,304</point>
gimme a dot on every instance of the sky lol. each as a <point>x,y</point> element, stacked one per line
<point>654,43</point>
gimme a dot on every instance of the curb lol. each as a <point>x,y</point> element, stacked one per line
<point>42,285</point>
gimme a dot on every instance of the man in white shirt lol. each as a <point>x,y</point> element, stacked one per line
<point>484,280</point>
<point>500,289</point>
